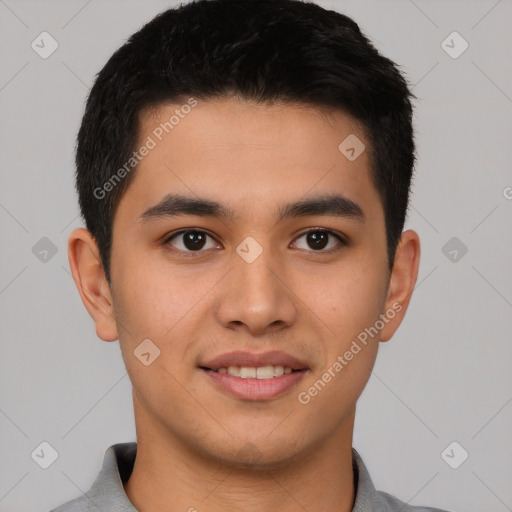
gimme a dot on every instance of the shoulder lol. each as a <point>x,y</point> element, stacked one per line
<point>370,499</point>
<point>107,492</point>
<point>391,504</point>
<point>81,504</point>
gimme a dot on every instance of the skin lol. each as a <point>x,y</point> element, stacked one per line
<point>293,297</point>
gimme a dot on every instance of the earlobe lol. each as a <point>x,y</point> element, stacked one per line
<point>89,277</point>
<point>402,282</point>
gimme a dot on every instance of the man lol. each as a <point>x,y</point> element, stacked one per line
<point>243,170</point>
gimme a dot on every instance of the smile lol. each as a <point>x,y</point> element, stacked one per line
<point>260,372</point>
<point>247,385</point>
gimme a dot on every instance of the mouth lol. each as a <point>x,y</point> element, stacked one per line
<point>251,376</point>
<point>250,372</point>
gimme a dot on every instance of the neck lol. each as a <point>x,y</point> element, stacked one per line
<point>169,476</point>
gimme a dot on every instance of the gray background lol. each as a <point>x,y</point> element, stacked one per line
<point>444,377</point>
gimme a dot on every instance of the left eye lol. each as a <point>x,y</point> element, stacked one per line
<point>318,239</point>
<point>193,240</point>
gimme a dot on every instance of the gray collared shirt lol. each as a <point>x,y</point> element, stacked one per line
<point>107,492</point>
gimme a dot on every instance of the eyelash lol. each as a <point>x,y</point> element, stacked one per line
<point>341,240</point>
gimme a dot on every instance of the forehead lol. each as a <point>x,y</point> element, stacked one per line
<point>250,156</point>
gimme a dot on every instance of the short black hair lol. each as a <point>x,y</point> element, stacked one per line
<point>266,51</point>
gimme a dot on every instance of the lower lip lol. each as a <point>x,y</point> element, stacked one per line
<point>254,389</point>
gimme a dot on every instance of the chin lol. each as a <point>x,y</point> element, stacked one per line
<point>263,455</point>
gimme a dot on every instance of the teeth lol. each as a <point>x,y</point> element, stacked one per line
<point>262,372</point>
<point>234,370</point>
<point>278,371</point>
<point>247,373</point>
<point>265,372</point>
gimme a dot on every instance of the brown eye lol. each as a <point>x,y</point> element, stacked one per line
<point>319,239</point>
<point>190,240</point>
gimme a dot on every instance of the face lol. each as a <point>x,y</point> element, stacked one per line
<point>250,280</point>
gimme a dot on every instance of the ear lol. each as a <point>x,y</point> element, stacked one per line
<point>89,276</point>
<point>402,281</point>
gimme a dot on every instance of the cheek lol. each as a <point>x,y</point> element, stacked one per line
<point>346,300</point>
<point>349,303</point>
<point>349,307</point>
<point>151,297</point>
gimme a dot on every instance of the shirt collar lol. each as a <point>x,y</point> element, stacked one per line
<point>107,490</point>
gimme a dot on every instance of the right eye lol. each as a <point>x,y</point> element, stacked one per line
<point>189,240</point>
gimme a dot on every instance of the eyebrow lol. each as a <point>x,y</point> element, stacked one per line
<point>174,205</point>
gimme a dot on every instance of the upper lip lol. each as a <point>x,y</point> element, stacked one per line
<point>252,359</point>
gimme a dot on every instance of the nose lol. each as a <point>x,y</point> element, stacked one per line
<point>257,297</point>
